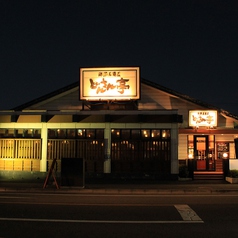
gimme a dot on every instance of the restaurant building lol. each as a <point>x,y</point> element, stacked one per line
<point>120,125</point>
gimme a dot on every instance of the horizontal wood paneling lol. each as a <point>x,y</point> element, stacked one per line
<point>20,164</point>
<point>182,147</point>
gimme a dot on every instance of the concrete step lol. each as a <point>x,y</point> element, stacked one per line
<point>197,175</point>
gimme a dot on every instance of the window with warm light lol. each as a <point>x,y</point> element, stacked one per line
<point>20,133</point>
<point>145,134</point>
<point>75,133</point>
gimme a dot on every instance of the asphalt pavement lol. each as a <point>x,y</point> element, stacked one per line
<point>163,187</point>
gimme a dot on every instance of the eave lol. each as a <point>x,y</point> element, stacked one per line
<point>201,131</point>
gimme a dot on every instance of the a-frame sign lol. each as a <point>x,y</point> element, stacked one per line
<point>51,173</point>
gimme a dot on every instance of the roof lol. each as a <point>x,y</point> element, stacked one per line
<point>188,98</point>
<point>144,81</point>
<point>45,97</point>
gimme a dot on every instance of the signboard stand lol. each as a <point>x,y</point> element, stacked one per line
<point>51,173</point>
<point>72,172</point>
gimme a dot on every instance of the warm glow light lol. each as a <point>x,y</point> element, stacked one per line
<point>121,83</point>
<point>205,118</point>
<point>225,155</point>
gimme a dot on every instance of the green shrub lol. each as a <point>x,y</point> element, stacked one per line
<point>233,173</point>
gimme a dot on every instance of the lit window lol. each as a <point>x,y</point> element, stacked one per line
<point>81,133</point>
<point>90,134</point>
<point>165,134</point>
<point>145,133</point>
<point>155,133</point>
<point>115,133</point>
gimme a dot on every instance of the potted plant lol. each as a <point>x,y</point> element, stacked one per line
<point>232,176</point>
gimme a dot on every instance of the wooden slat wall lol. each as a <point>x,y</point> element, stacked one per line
<point>20,154</point>
<point>7,148</point>
<point>29,149</point>
<point>61,149</point>
<point>20,148</point>
<point>137,156</point>
<point>140,150</point>
<point>90,150</point>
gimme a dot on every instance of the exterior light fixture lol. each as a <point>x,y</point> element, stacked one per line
<point>190,156</point>
<point>225,155</point>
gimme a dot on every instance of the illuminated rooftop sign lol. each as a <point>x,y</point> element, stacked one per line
<point>199,118</point>
<point>117,83</point>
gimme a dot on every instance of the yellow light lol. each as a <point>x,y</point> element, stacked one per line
<point>121,83</point>
<point>190,156</point>
<point>225,155</point>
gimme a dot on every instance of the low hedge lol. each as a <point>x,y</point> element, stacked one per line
<point>233,173</point>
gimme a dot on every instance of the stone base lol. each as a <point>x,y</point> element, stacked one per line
<point>231,180</point>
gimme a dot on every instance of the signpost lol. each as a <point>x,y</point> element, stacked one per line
<point>51,173</point>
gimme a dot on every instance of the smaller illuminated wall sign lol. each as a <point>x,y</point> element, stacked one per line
<point>199,118</point>
<point>113,83</point>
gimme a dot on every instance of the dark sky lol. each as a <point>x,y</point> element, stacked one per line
<point>188,46</point>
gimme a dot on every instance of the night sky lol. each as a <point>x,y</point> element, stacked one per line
<point>188,46</point>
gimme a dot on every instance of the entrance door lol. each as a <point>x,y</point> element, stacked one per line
<point>203,160</point>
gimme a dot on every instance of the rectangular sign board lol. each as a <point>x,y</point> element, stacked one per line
<point>110,83</point>
<point>205,118</point>
<point>72,172</point>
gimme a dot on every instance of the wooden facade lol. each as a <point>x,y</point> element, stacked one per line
<point>20,154</point>
<point>25,144</point>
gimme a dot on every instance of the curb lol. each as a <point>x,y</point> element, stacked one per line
<point>119,191</point>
